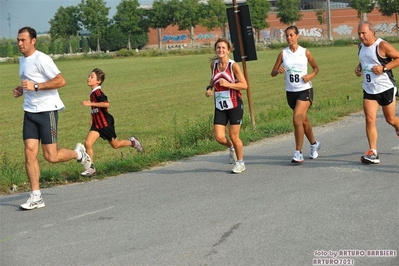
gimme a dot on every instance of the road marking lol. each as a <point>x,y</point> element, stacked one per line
<point>89,213</point>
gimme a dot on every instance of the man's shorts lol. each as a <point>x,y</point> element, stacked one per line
<point>41,126</point>
<point>384,98</point>
<point>305,95</point>
<point>233,115</point>
<point>107,133</point>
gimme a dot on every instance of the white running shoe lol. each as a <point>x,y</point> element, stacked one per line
<point>32,203</point>
<point>238,168</point>
<point>89,172</point>
<point>314,150</point>
<point>298,157</point>
<point>232,156</point>
<point>85,160</point>
<point>136,143</point>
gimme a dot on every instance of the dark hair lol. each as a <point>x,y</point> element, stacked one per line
<point>31,31</point>
<point>100,74</point>
<point>292,27</point>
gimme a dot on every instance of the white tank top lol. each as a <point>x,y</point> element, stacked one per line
<point>368,57</point>
<point>296,65</point>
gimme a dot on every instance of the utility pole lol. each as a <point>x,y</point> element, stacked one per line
<point>9,25</point>
<point>329,20</point>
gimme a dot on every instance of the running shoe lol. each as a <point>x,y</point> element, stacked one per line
<point>298,157</point>
<point>32,203</point>
<point>89,172</point>
<point>238,168</point>
<point>370,157</point>
<point>314,150</point>
<point>136,143</point>
<point>85,160</point>
<point>232,156</point>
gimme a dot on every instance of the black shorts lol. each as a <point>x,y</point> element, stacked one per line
<point>384,98</point>
<point>41,126</point>
<point>234,116</point>
<point>107,133</point>
<point>292,97</point>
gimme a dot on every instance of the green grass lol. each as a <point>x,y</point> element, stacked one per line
<point>162,101</point>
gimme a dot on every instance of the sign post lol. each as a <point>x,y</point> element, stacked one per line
<point>242,37</point>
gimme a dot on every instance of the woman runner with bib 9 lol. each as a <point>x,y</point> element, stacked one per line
<point>227,80</point>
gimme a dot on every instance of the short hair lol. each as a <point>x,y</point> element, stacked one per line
<point>292,27</point>
<point>371,27</point>
<point>100,75</point>
<point>31,31</point>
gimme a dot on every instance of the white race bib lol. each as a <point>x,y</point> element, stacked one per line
<point>223,100</point>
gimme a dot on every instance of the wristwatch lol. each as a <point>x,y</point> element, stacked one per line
<point>36,86</point>
<point>385,70</point>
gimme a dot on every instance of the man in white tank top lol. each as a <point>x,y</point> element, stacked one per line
<point>377,59</point>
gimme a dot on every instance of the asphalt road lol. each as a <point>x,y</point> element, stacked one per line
<point>194,212</point>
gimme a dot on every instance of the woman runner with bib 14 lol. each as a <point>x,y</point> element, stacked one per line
<point>227,79</point>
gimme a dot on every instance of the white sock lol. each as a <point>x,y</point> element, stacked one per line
<point>374,150</point>
<point>36,194</point>
<point>80,155</point>
<point>232,148</point>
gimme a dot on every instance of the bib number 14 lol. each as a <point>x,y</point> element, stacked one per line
<point>223,100</point>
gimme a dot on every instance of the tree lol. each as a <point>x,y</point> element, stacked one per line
<point>115,39</point>
<point>188,16</point>
<point>288,11</point>
<point>362,7</point>
<point>94,17</point>
<point>160,18</point>
<point>213,15</point>
<point>320,15</point>
<point>65,24</point>
<point>389,8</point>
<point>9,49</point>
<point>259,10</point>
<point>128,17</point>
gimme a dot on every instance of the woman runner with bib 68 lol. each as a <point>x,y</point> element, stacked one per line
<point>227,80</point>
<point>293,63</point>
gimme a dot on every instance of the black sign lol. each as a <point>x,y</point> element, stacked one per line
<point>247,34</point>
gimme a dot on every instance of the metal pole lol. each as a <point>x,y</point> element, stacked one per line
<point>243,61</point>
<point>329,20</point>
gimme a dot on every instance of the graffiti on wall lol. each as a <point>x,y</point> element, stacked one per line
<point>185,37</point>
<point>312,32</point>
<point>385,27</point>
<point>382,27</point>
<point>174,38</point>
<point>205,36</point>
<point>343,30</point>
<point>278,34</point>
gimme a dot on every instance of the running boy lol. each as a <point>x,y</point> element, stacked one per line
<point>102,122</point>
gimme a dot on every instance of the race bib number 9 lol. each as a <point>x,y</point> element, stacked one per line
<point>223,100</point>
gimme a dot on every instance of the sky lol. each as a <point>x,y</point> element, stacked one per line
<point>37,14</point>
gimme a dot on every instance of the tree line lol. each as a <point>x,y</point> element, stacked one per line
<point>129,26</point>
